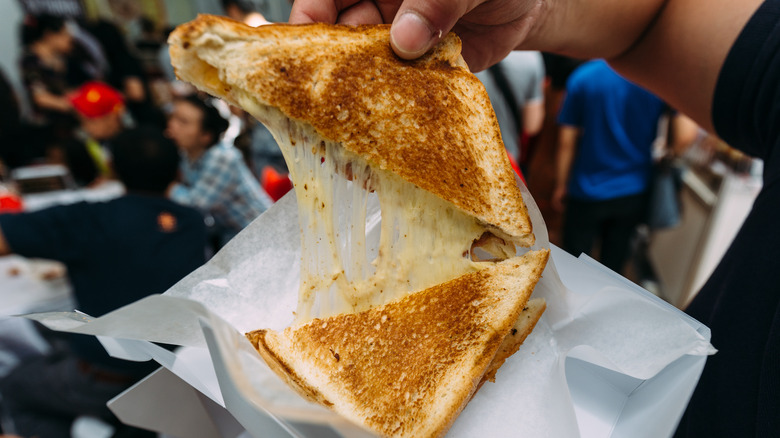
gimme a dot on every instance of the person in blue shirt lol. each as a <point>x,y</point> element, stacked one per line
<point>115,252</point>
<point>215,177</point>
<point>607,128</point>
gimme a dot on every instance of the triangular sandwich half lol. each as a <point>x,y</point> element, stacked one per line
<point>352,119</point>
<point>428,121</point>
<point>407,368</point>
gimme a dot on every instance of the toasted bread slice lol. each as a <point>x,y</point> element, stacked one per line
<point>523,327</point>
<point>429,121</point>
<point>407,368</point>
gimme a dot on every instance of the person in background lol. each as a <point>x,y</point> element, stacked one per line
<point>558,68</point>
<point>717,63</point>
<point>243,11</point>
<point>101,114</point>
<point>260,150</point>
<point>126,73</point>
<point>12,154</point>
<point>215,178</point>
<point>171,87</point>
<point>607,130</point>
<point>147,45</point>
<point>88,54</point>
<point>164,58</point>
<point>515,86</point>
<point>44,69</point>
<point>22,143</point>
<point>116,252</point>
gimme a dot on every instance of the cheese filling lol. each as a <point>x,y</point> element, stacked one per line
<point>348,263</point>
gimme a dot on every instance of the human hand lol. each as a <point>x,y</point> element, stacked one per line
<point>489,29</point>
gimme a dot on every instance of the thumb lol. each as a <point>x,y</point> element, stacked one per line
<point>420,24</point>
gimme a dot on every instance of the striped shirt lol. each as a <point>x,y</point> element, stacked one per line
<point>220,185</point>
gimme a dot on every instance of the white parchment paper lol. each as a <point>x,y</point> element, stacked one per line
<point>593,316</point>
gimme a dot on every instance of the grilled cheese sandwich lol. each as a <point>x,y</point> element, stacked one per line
<point>394,329</point>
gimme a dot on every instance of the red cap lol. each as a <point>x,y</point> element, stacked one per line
<point>10,202</point>
<point>96,99</point>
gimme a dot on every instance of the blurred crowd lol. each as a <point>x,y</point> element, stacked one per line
<point>106,109</point>
<point>87,82</point>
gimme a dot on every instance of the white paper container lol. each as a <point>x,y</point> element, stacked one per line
<point>607,359</point>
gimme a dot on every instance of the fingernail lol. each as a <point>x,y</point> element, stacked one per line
<point>411,35</point>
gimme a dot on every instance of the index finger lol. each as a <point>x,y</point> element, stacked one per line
<point>318,11</point>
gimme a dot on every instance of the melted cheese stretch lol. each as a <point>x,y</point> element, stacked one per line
<point>345,265</point>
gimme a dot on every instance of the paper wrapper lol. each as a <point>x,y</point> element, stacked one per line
<point>602,346</point>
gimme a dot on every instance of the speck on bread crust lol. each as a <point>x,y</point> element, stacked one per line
<point>407,369</point>
<point>428,121</point>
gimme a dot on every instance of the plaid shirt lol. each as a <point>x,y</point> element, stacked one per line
<point>220,184</point>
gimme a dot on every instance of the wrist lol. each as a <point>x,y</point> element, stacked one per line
<point>607,33</point>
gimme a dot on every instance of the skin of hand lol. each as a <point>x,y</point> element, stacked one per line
<point>47,100</point>
<point>489,29</point>
<point>674,48</point>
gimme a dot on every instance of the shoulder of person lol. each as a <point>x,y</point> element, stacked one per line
<point>588,68</point>
<point>184,210</point>
<point>226,152</point>
<point>168,212</point>
<point>80,212</point>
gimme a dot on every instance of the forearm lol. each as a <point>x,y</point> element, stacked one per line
<point>44,99</point>
<point>591,28</point>
<point>680,56</point>
<point>674,48</point>
<point>567,145</point>
<point>533,117</point>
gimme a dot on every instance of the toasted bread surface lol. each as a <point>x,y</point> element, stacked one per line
<point>407,368</point>
<point>523,327</point>
<point>429,121</point>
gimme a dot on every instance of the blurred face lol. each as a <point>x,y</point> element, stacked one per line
<point>62,41</point>
<point>185,129</point>
<point>102,128</point>
<point>233,12</point>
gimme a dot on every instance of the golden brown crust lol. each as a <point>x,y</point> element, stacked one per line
<point>409,367</point>
<point>429,120</point>
<point>260,340</point>
<point>523,327</point>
